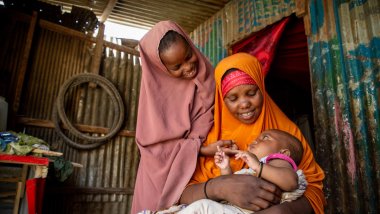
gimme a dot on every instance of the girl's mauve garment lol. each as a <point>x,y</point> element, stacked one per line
<point>228,128</point>
<point>174,117</point>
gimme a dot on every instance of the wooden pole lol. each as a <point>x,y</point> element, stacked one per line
<point>107,11</point>
<point>83,128</point>
<point>24,64</point>
<point>95,64</point>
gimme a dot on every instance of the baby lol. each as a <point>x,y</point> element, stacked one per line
<point>273,156</point>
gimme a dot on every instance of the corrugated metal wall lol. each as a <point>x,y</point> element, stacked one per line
<point>105,183</point>
<point>10,58</point>
<point>237,20</point>
<point>344,51</point>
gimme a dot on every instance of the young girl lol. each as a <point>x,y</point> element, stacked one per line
<point>174,115</point>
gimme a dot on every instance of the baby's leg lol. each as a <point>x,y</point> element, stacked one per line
<point>205,206</point>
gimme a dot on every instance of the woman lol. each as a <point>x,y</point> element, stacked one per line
<point>174,115</point>
<point>258,116</point>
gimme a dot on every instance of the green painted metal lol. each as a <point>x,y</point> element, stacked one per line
<point>344,52</point>
<point>235,21</point>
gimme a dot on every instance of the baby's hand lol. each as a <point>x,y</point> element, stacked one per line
<point>249,158</point>
<point>221,159</point>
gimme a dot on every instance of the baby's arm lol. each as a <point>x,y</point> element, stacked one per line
<point>277,171</point>
<point>223,162</point>
<point>281,173</point>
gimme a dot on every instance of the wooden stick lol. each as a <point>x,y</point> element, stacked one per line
<point>49,153</point>
<point>73,163</point>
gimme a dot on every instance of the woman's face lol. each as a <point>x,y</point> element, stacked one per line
<point>180,60</point>
<point>245,103</point>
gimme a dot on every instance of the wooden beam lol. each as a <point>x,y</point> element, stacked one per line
<point>65,31</point>
<point>301,8</point>
<point>96,59</point>
<point>89,190</point>
<point>83,128</point>
<point>82,36</point>
<point>24,64</point>
<point>122,48</point>
<point>107,11</point>
<point>306,22</point>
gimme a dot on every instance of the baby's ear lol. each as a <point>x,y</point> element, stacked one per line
<point>285,152</point>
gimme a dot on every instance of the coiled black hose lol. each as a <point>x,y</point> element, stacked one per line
<point>59,110</point>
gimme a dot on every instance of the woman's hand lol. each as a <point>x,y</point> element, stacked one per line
<point>225,145</point>
<point>245,191</point>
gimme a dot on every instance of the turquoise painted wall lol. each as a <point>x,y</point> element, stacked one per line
<point>235,21</point>
<point>344,51</point>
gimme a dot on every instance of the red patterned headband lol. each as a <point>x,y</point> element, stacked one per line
<point>235,78</point>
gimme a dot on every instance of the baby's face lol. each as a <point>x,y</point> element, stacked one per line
<point>267,143</point>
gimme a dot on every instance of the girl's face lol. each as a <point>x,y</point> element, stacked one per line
<point>245,103</point>
<point>180,60</point>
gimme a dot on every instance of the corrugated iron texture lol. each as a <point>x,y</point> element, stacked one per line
<point>14,31</point>
<point>237,20</point>
<point>105,183</point>
<point>344,51</point>
<point>145,13</point>
<point>344,60</point>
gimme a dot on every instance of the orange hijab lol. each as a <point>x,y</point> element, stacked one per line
<point>228,128</point>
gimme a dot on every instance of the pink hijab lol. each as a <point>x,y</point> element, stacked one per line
<point>174,118</point>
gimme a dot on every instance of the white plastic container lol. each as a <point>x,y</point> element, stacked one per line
<point>3,114</point>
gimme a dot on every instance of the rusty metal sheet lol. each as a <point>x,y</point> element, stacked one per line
<point>237,20</point>
<point>344,56</point>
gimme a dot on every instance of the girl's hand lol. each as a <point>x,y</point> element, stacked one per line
<point>225,145</point>
<point>221,159</point>
<point>249,158</point>
<point>232,150</point>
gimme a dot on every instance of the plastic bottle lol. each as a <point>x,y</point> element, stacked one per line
<point>3,114</point>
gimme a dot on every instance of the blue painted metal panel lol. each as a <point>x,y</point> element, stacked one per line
<point>344,52</point>
<point>236,21</point>
<point>344,55</point>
